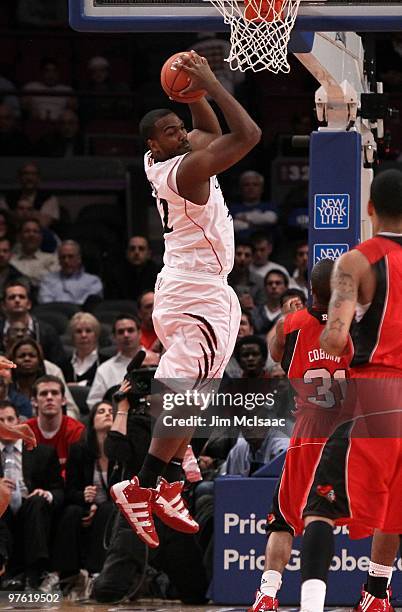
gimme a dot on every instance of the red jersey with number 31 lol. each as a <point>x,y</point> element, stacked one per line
<point>312,370</point>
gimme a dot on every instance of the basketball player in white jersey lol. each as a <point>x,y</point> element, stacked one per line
<point>196,314</point>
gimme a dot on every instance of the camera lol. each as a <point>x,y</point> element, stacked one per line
<point>140,380</point>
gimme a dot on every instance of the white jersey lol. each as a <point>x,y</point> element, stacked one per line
<point>197,238</point>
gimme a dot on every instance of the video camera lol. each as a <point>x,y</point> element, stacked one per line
<point>140,380</point>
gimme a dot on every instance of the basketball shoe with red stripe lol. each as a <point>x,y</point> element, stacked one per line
<point>264,603</point>
<point>169,506</point>
<point>135,503</point>
<point>369,603</point>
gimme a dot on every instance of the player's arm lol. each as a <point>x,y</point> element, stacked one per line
<point>206,126</point>
<point>276,334</point>
<point>227,149</point>
<point>277,341</point>
<point>345,281</point>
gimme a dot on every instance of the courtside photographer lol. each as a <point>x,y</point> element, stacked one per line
<point>131,569</point>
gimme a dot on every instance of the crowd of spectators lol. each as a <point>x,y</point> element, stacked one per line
<point>72,347</point>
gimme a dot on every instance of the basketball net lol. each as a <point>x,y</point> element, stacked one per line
<point>259,33</point>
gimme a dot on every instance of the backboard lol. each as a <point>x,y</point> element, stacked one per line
<point>199,15</point>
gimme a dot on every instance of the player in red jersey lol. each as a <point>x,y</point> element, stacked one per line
<point>316,377</point>
<point>367,288</point>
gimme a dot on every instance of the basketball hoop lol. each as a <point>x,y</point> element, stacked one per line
<point>259,33</point>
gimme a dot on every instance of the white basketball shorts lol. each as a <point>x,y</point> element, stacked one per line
<point>197,318</point>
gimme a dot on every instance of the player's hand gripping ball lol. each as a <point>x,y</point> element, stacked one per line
<point>174,79</point>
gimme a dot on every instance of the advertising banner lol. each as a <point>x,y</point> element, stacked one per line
<point>241,507</point>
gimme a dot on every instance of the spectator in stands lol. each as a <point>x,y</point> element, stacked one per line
<point>262,249</point>
<point>252,213</point>
<point>17,305</point>
<point>256,446</point>
<point>45,204</point>
<point>36,496</point>
<point>42,13</point>
<point>266,315</point>
<point>51,426</point>
<point>28,357</point>
<point>66,141</point>
<point>89,475</point>
<point>248,286</point>
<point>70,284</point>
<point>251,353</point>
<point>48,107</point>
<point>299,278</point>
<point>246,328</point>
<point>137,273</point>
<point>27,354</point>
<point>85,331</point>
<point>8,272</point>
<point>24,209</point>
<point>28,257</point>
<point>13,141</point>
<point>126,333</point>
<point>7,392</point>
<point>100,81</point>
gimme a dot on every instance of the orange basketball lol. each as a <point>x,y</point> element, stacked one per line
<point>174,79</point>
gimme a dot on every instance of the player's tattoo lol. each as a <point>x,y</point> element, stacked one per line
<point>344,287</point>
<point>336,325</point>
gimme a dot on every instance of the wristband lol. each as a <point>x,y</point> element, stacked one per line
<point>121,412</point>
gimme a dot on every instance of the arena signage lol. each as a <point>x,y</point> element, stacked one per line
<point>329,251</point>
<point>241,506</point>
<point>331,211</point>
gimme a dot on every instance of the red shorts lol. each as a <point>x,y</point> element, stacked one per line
<point>302,458</point>
<point>359,483</point>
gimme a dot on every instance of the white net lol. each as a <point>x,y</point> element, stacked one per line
<point>259,32</point>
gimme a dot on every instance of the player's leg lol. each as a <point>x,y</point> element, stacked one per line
<point>277,555</point>
<point>198,347</point>
<point>375,593</point>
<point>316,556</point>
<point>280,539</point>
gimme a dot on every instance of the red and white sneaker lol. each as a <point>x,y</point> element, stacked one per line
<point>135,503</point>
<point>170,508</point>
<point>264,603</point>
<point>369,603</point>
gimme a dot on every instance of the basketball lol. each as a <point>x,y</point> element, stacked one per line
<point>174,79</point>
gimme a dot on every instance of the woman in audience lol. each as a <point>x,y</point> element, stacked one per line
<point>28,355</point>
<point>79,541</point>
<point>81,368</point>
